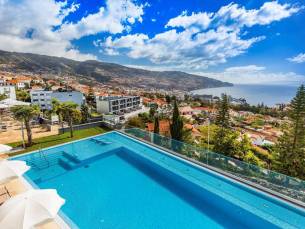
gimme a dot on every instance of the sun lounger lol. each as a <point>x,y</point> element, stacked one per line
<point>4,195</point>
<point>4,198</point>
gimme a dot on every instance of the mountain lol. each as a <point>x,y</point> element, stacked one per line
<point>107,73</point>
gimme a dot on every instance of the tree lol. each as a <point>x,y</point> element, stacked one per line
<point>136,122</point>
<point>176,126</point>
<point>252,159</point>
<point>25,114</point>
<point>156,125</point>
<point>152,112</point>
<point>48,87</point>
<point>3,96</point>
<point>23,95</point>
<point>290,148</point>
<point>90,97</point>
<point>226,142</point>
<point>168,99</point>
<point>223,115</point>
<point>70,114</point>
<point>56,105</point>
<point>245,146</point>
<point>297,116</point>
<point>85,113</point>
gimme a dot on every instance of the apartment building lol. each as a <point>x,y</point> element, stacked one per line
<point>118,104</point>
<point>9,91</point>
<point>44,98</point>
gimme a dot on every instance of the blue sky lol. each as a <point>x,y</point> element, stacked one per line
<point>252,41</point>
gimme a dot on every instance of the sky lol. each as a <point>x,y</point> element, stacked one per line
<point>249,42</point>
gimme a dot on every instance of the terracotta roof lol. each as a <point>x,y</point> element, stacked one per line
<point>191,127</point>
<point>164,126</point>
<point>208,109</point>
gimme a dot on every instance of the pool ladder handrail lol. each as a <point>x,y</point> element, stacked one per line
<point>44,157</point>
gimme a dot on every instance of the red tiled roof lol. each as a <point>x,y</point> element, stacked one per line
<point>164,126</point>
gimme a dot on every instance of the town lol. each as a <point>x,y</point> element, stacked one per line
<point>119,107</point>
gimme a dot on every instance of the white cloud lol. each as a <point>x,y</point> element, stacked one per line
<point>203,39</point>
<point>113,19</point>
<point>298,59</point>
<point>200,19</point>
<point>269,12</point>
<point>253,74</point>
<point>38,26</point>
<point>248,74</point>
<point>245,69</point>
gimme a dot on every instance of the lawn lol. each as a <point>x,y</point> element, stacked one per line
<point>44,142</point>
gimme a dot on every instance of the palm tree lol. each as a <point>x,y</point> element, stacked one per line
<point>23,95</point>
<point>25,114</point>
<point>3,96</point>
<point>69,113</point>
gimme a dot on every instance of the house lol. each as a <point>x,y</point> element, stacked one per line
<point>259,140</point>
<point>2,81</point>
<point>164,127</point>
<point>195,132</point>
<point>118,104</point>
<point>187,110</point>
<point>9,91</point>
<point>20,82</point>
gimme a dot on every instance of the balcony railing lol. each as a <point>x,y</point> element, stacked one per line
<point>288,188</point>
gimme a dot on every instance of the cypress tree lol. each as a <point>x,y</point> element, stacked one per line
<point>290,148</point>
<point>91,97</point>
<point>176,127</point>
<point>156,125</point>
<point>223,116</point>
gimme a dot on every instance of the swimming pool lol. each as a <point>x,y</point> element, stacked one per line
<point>114,181</point>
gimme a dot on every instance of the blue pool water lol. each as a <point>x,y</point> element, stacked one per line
<point>113,181</point>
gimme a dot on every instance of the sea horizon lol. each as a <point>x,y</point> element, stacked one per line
<point>269,94</point>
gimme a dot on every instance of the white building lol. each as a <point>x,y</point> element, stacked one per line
<point>9,91</point>
<point>118,104</point>
<point>69,96</point>
<point>44,98</point>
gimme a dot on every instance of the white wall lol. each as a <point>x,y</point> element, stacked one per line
<point>9,91</point>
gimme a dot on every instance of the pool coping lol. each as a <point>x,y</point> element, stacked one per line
<point>248,184</point>
<point>59,219</point>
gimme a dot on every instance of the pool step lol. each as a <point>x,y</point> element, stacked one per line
<point>71,157</point>
<point>75,163</point>
<point>67,164</point>
<point>100,141</point>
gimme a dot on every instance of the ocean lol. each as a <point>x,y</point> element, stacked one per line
<point>270,95</point>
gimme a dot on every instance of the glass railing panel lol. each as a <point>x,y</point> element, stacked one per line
<point>288,186</point>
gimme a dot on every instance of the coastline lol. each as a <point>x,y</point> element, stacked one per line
<point>254,94</point>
